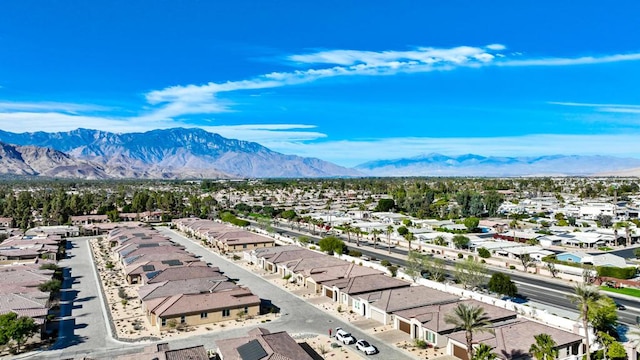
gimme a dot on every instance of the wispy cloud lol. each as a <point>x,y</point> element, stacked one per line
<point>585,60</point>
<point>48,106</point>
<point>609,108</point>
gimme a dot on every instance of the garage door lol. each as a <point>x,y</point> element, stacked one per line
<point>377,315</point>
<point>460,352</point>
<point>329,293</point>
<point>404,326</point>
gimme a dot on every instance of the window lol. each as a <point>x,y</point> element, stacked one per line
<point>246,309</point>
<point>226,313</point>
<point>204,315</point>
<point>244,246</point>
<point>431,337</point>
<point>183,319</point>
<point>356,305</point>
<point>163,321</point>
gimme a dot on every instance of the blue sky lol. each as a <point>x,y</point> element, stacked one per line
<point>345,81</point>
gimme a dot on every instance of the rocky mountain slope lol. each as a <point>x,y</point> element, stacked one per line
<point>476,165</point>
<point>191,151</point>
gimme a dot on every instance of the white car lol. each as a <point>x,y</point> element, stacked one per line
<point>365,347</point>
<point>344,337</point>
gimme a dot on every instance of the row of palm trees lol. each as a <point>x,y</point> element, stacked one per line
<point>474,319</point>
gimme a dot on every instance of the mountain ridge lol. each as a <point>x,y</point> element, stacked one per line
<point>435,164</point>
<point>176,149</point>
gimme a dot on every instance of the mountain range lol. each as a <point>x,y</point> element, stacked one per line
<point>195,153</point>
<point>170,153</point>
<point>476,165</point>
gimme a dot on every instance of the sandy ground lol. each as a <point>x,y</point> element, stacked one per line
<point>128,316</point>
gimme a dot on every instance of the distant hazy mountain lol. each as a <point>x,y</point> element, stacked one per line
<point>476,165</point>
<point>177,153</point>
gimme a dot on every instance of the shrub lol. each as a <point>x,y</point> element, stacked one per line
<point>109,265</point>
<point>122,293</point>
<point>460,256</point>
<point>393,269</point>
<point>615,272</point>
<point>512,267</point>
<point>420,344</point>
<point>355,253</point>
<point>484,253</point>
<point>385,263</point>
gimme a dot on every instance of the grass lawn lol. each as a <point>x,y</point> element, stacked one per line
<point>626,291</point>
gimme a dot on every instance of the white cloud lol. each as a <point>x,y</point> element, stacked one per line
<point>267,134</point>
<point>585,60</point>
<point>49,107</point>
<point>607,108</point>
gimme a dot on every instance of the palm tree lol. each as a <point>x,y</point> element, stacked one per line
<point>409,237</point>
<point>471,319</point>
<point>484,352</point>
<point>389,232</point>
<point>585,296</point>
<point>375,233</point>
<point>347,228</point>
<point>544,348</point>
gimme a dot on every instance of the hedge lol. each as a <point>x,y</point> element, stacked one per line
<point>615,272</point>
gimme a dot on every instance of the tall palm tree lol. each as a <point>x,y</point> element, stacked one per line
<point>347,228</point>
<point>544,348</point>
<point>389,232</point>
<point>375,233</point>
<point>484,352</point>
<point>585,296</point>
<point>409,237</point>
<point>471,319</point>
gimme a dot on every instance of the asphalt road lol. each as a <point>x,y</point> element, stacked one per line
<point>538,289</point>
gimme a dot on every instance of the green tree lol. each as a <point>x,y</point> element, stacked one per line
<point>15,328</point>
<point>544,347</point>
<point>331,244</point>
<point>603,316</point>
<point>470,273</point>
<point>385,205</point>
<point>484,352</point>
<point>502,284</point>
<point>584,298</point>
<point>461,242</point>
<point>416,263</point>
<point>471,223</point>
<point>402,230</point>
<point>484,253</point>
<point>471,319</point>
<point>436,268</point>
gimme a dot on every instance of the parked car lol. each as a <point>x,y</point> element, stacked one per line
<point>620,306</point>
<point>344,337</point>
<point>365,347</point>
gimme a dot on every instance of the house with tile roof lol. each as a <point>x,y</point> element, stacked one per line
<point>428,322</point>
<point>381,305</point>
<point>204,308</point>
<point>511,341</point>
<point>260,343</point>
<point>344,291</point>
<point>185,286</point>
<point>162,351</point>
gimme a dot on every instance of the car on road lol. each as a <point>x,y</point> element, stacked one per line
<point>344,337</point>
<point>365,347</point>
<point>620,306</point>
